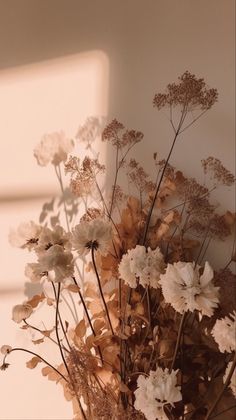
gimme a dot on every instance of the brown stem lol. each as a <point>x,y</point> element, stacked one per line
<point>226,384</point>
<point>42,332</point>
<point>100,289</point>
<point>178,340</point>
<point>88,317</point>
<point>37,355</point>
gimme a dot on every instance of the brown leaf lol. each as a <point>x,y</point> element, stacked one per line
<point>36,300</point>
<point>81,329</point>
<point>73,288</point>
<point>39,341</point>
<point>32,363</point>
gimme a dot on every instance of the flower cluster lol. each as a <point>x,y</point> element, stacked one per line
<point>131,273</point>
<point>141,266</point>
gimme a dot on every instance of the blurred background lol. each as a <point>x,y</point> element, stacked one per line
<point>64,60</point>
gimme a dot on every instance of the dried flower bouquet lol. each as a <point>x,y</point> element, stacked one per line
<point>156,333</point>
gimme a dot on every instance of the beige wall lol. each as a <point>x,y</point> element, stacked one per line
<point>147,43</point>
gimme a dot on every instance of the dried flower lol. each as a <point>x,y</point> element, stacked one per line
<point>224,333</point>
<point>94,234</point>
<point>219,173</point>
<point>232,384</point>
<point>185,289</point>
<point>142,266</point>
<point>20,312</point>
<point>155,391</point>
<point>190,92</point>
<point>53,148</point>
<point>56,236</point>
<point>5,349</point>
<point>25,236</point>
<point>4,366</point>
<point>83,176</point>
<point>57,262</point>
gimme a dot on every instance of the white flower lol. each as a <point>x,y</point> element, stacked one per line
<point>232,384</point>
<point>33,272</point>
<point>25,236</point>
<point>143,266</point>
<point>224,333</point>
<point>95,234</point>
<point>185,289</point>
<point>57,262</point>
<point>49,237</point>
<point>20,312</point>
<point>53,148</point>
<point>155,391</point>
<point>5,349</point>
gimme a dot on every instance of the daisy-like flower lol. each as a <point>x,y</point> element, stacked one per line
<point>224,332</point>
<point>53,148</point>
<point>25,236</point>
<point>33,272</point>
<point>49,237</point>
<point>143,266</point>
<point>56,262</point>
<point>20,312</point>
<point>232,384</point>
<point>155,391</point>
<point>95,234</point>
<point>186,290</point>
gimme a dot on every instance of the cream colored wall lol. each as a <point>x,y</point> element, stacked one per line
<point>148,44</point>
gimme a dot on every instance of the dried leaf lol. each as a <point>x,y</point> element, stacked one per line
<point>36,300</point>
<point>32,363</point>
<point>39,341</point>
<point>73,288</point>
<point>81,329</point>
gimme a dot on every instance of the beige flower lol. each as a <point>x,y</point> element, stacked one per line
<point>20,312</point>
<point>143,266</point>
<point>5,349</point>
<point>155,391</point>
<point>224,332</point>
<point>53,148</point>
<point>186,290</point>
<point>95,234</point>
<point>25,236</point>
<point>56,236</point>
<point>56,262</point>
<point>232,384</point>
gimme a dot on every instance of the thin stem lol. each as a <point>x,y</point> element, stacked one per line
<point>59,315</point>
<point>226,384</point>
<point>157,190</point>
<point>178,340</point>
<point>59,176</point>
<point>115,181</point>
<point>42,332</point>
<point>56,326</point>
<point>88,317</point>
<point>100,289</point>
<point>37,355</point>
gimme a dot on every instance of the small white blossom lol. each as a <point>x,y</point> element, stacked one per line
<point>33,272</point>
<point>232,384</point>
<point>155,391</point>
<point>49,237</point>
<point>56,262</point>
<point>25,236</point>
<point>20,312</point>
<point>5,349</point>
<point>93,234</point>
<point>224,333</point>
<point>185,289</point>
<point>53,148</point>
<point>143,266</point>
